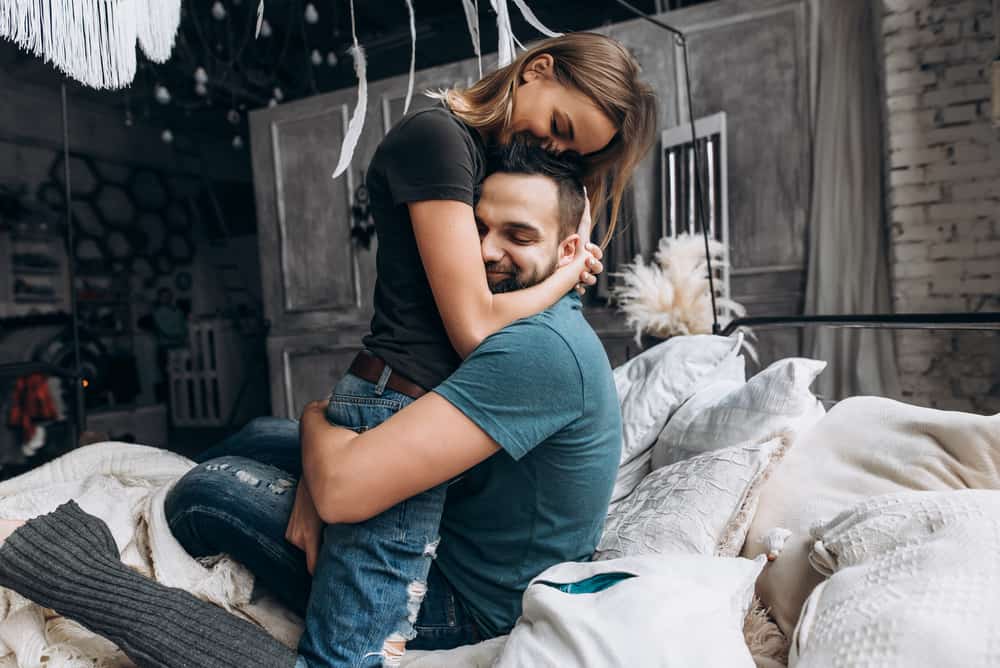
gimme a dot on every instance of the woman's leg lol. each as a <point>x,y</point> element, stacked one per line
<point>241,507</point>
<point>67,560</point>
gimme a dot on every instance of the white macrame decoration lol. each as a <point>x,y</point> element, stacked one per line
<point>93,41</point>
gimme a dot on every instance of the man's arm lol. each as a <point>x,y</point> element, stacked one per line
<point>354,477</point>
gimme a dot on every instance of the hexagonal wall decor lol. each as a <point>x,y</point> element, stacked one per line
<point>179,216</point>
<point>51,194</point>
<point>148,189</point>
<point>154,227</point>
<point>87,219</point>
<point>180,248</point>
<point>115,205</point>
<point>88,249</point>
<point>142,267</point>
<point>84,180</point>
<point>118,245</point>
<point>164,264</point>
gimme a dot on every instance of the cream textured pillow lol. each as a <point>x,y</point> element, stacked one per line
<point>915,582</point>
<point>864,447</point>
<point>728,411</point>
<point>652,385</point>
<point>702,505</point>
<point>677,611</point>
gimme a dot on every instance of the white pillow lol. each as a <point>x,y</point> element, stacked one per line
<point>677,611</point>
<point>864,447</point>
<point>652,385</point>
<point>916,582</point>
<point>702,505</point>
<point>727,412</point>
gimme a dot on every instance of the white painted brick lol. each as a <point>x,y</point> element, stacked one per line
<point>916,194</point>
<point>977,190</point>
<point>894,6</point>
<point>932,232</point>
<point>909,157</point>
<point>916,342</point>
<point>960,114</point>
<point>961,210</point>
<point>979,132</point>
<point>914,139</point>
<point>915,364</point>
<point>909,121</point>
<point>909,214</point>
<point>987,268</point>
<point>913,287</point>
<point>980,229</point>
<point>956,95</point>
<point>980,286</point>
<point>911,252</point>
<point>943,54</point>
<point>952,250</point>
<point>969,152</point>
<point>903,103</point>
<point>973,73</point>
<point>899,21</point>
<point>911,80</point>
<point>951,172</point>
<point>902,177</point>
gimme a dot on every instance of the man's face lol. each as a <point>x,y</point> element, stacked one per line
<point>518,220</point>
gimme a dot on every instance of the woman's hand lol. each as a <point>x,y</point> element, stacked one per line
<point>590,266</point>
<point>305,527</point>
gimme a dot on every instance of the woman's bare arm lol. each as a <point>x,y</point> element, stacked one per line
<point>448,241</point>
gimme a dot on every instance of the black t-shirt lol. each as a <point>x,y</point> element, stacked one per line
<point>429,155</point>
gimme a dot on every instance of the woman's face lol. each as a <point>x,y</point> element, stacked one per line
<point>560,117</point>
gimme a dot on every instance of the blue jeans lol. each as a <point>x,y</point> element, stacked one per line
<point>374,580</point>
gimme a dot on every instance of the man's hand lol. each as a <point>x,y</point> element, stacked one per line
<point>305,528</point>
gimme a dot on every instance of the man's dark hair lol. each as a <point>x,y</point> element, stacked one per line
<point>525,156</point>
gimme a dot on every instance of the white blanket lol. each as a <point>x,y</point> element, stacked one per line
<point>125,486</point>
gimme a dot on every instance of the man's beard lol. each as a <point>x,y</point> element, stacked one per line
<point>514,280</point>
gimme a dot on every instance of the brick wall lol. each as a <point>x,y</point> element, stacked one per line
<point>943,166</point>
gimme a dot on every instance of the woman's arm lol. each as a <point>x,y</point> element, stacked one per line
<point>448,241</point>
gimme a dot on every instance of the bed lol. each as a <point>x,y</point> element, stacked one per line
<point>748,526</point>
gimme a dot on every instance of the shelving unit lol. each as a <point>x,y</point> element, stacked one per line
<point>37,280</point>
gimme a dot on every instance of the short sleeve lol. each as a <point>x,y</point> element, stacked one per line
<point>429,156</point>
<point>521,386</point>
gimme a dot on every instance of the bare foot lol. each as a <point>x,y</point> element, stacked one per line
<point>7,527</point>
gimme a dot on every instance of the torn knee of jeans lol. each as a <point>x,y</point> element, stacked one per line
<point>247,477</point>
<point>393,650</point>
<point>415,593</point>
<point>430,550</point>
<point>281,485</point>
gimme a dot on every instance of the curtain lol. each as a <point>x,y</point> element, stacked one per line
<point>848,266</point>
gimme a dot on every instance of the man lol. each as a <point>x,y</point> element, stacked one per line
<point>529,422</point>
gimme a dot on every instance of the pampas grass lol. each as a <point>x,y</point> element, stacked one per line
<point>670,296</point>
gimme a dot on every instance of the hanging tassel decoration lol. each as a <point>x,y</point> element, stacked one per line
<point>530,17</point>
<point>505,48</point>
<point>358,117</point>
<point>472,18</point>
<point>92,41</point>
<point>413,56</point>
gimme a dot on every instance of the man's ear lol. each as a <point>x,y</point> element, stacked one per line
<point>539,67</point>
<point>567,249</point>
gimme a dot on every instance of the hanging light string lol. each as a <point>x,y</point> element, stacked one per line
<point>700,205</point>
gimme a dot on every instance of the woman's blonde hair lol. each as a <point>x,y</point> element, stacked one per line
<point>603,70</point>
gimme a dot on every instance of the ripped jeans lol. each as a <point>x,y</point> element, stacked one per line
<point>374,581</point>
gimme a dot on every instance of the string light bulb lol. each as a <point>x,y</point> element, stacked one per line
<point>233,116</point>
<point>218,11</point>
<point>331,59</point>
<point>200,75</point>
<point>311,15</point>
<point>316,57</point>
<point>167,136</point>
<point>161,94</point>
<point>201,89</point>
<point>265,28</point>
<point>237,142</point>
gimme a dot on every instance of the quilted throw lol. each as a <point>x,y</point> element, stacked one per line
<point>915,581</point>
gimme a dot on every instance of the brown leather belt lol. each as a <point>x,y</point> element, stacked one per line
<point>369,367</point>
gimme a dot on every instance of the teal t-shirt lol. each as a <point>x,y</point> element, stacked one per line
<point>542,388</point>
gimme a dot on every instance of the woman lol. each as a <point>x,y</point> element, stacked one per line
<point>433,306</point>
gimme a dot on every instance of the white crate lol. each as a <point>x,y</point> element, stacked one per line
<point>205,377</point>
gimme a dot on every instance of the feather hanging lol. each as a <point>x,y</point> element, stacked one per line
<point>413,56</point>
<point>472,18</point>
<point>530,17</point>
<point>505,48</point>
<point>357,123</point>
<point>260,19</point>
